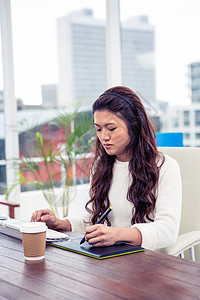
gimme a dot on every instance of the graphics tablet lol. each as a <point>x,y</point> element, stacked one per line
<point>97,252</point>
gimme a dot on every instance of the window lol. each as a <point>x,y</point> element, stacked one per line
<point>197,117</point>
<point>186,118</point>
<point>187,136</point>
<point>51,69</point>
<point>197,136</point>
<point>41,81</point>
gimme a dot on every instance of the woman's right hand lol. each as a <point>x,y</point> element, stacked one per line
<point>46,215</point>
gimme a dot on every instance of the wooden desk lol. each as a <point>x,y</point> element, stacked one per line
<point>66,275</point>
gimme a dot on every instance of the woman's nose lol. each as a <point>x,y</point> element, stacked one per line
<point>105,135</point>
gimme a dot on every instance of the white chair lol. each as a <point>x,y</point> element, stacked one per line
<point>189,233</point>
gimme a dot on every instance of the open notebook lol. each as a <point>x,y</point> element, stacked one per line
<point>12,228</point>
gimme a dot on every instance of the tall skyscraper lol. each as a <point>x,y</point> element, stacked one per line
<point>138,61</point>
<point>82,58</point>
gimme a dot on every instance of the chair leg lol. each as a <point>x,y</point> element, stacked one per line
<point>192,254</point>
<point>11,212</point>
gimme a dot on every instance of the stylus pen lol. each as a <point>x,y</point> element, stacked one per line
<point>99,221</point>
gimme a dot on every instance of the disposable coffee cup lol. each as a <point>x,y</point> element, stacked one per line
<point>34,240</point>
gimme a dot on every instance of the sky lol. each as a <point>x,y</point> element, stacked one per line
<point>177,42</point>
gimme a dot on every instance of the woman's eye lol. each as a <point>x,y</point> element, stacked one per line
<point>98,129</point>
<point>112,129</point>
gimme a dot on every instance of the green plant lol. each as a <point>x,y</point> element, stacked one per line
<point>56,162</point>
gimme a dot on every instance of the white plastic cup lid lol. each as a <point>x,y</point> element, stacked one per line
<point>33,227</point>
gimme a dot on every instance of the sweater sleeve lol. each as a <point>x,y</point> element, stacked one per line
<point>163,232</point>
<point>78,224</point>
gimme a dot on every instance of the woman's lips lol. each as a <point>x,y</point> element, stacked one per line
<point>108,146</point>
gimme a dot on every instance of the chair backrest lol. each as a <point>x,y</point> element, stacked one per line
<point>189,162</point>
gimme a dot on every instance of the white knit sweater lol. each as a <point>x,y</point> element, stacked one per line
<point>163,231</point>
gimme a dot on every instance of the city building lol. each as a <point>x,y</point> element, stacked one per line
<point>138,61</point>
<point>82,58</point>
<point>186,119</point>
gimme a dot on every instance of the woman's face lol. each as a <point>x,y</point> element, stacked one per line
<point>112,133</point>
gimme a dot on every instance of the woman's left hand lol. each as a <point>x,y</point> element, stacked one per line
<point>101,235</point>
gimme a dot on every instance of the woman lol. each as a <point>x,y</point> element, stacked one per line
<point>128,172</point>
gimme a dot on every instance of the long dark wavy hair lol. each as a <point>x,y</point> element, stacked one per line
<point>143,165</point>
